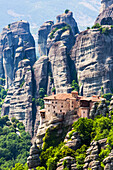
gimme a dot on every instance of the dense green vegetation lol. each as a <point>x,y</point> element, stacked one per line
<point>75,86</point>
<point>103,30</point>
<point>40,100</point>
<point>14,143</point>
<point>52,33</point>
<point>88,129</point>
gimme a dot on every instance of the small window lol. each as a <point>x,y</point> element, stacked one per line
<point>60,110</point>
<point>43,115</point>
<point>72,106</point>
<point>48,105</point>
<point>53,107</point>
<point>83,111</point>
<point>55,102</point>
<point>61,106</point>
<point>48,110</point>
<point>52,102</point>
<point>56,114</point>
<point>72,102</point>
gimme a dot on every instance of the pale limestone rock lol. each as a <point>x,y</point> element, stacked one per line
<point>105,4</point>
<point>43,33</point>
<point>18,102</point>
<point>16,44</point>
<point>68,18</point>
<point>33,160</point>
<point>93,57</point>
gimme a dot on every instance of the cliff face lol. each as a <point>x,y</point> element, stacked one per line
<point>16,43</point>
<point>55,41</point>
<point>93,57</point>
<point>59,47</point>
<point>18,102</point>
<point>67,17</point>
<point>105,4</point>
<point>43,33</point>
<point>106,16</point>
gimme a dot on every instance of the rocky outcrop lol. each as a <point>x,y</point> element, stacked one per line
<point>92,158</point>
<point>99,109</point>
<point>59,44</point>
<point>18,102</point>
<point>93,57</point>
<point>43,33</point>
<point>111,105</point>
<point>108,162</point>
<point>74,142</point>
<point>63,124</point>
<point>106,16</point>
<point>67,17</point>
<point>33,160</point>
<point>67,162</point>
<point>16,44</point>
<point>41,74</point>
<point>105,4</point>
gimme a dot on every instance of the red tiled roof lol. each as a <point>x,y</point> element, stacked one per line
<point>64,96</point>
<point>60,96</point>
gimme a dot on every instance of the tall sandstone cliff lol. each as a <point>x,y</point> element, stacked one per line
<point>93,57</point>
<point>17,56</point>
<point>106,13</point>
<point>16,43</point>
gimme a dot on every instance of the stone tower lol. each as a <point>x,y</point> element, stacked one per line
<point>105,4</point>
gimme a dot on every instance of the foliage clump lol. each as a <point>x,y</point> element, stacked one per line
<point>14,143</point>
<point>97,25</point>
<point>66,11</point>
<point>52,33</point>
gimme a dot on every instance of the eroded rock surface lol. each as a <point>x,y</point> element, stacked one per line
<point>43,33</point>
<point>106,16</point>
<point>93,57</point>
<point>105,4</point>
<point>108,162</point>
<point>18,102</point>
<point>68,18</point>
<point>33,160</point>
<point>16,44</point>
<point>92,158</point>
<point>70,163</point>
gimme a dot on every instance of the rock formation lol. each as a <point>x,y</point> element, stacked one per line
<point>108,162</point>
<point>63,124</point>
<point>43,33</point>
<point>59,44</point>
<point>41,73</point>
<point>70,163</point>
<point>33,160</point>
<point>105,4</point>
<point>111,105</point>
<point>91,160</point>
<point>67,17</point>
<point>74,142</point>
<point>18,102</point>
<point>92,54</point>
<point>16,44</point>
<point>106,17</point>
